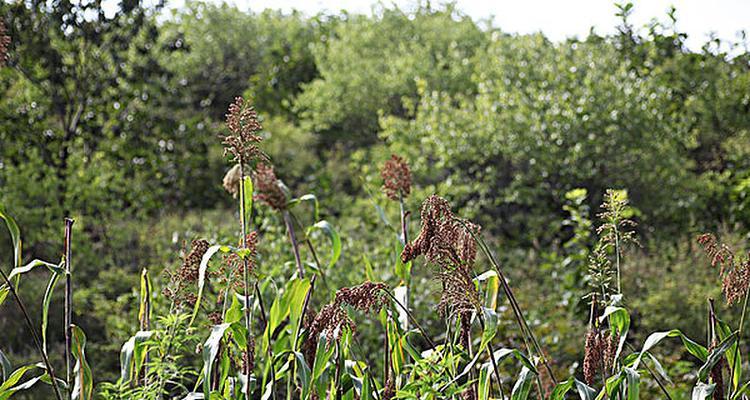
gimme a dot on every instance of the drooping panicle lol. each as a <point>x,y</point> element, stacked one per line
<point>268,187</point>
<point>243,138</point>
<point>396,178</point>
<point>443,239</point>
<point>368,297</point>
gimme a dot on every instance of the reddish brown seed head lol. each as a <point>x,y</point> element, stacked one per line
<point>244,128</point>
<point>268,187</point>
<point>396,178</point>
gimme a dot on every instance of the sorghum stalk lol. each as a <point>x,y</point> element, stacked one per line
<point>68,318</point>
<point>34,335</point>
<point>245,277</point>
<point>293,240</point>
<point>405,238</point>
<point>518,313</point>
<point>411,317</point>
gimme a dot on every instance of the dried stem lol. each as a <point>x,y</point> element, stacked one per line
<point>295,245</point>
<point>68,318</point>
<point>411,317</point>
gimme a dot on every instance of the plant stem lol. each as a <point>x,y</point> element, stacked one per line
<point>68,318</point>
<point>405,239</point>
<point>739,336</point>
<point>246,276</point>
<point>34,335</point>
<point>525,329</point>
<point>411,317</point>
<point>295,245</point>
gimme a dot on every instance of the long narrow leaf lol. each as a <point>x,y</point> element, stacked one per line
<point>83,388</point>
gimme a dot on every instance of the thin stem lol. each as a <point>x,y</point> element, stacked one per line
<point>739,336</point>
<point>34,335</point>
<point>525,329</point>
<point>405,239</point>
<point>653,375</point>
<point>492,357</point>
<point>295,245</point>
<point>246,276</point>
<point>68,318</point>
<point>411,317</point>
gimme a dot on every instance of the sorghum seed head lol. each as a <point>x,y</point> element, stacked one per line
<point>736,282</point>
<point>593,355</point>
<point>268,187</point>
<point>243,125</point>
<point>443,240</point>
<point>368,297</point>
<point>719,253</point>
<point>396,178</point>
<point>459,294</point>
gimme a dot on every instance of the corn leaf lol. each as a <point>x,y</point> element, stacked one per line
<point>328,229</point>
<point>83,388</point>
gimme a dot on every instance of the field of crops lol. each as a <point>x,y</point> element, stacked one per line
<point>208,203</point>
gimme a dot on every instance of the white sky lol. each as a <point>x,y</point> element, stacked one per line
<point>557,19</point>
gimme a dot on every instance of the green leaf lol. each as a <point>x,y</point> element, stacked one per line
<point>307,198</point>
<point>523,385</point>
<point>202,276</point>
<point>210,351</point>
<point>84,381</point>
<point>11,385</point>
<point>653,339</point>
<point>246,200</point>
<point>144,311</point>
<point>15,236</point>
<point>328,229</point>
<point>132,355</point>
<point>5,367</point>
<point>490,327</point>
<point>619,324</point>
<point>716,355</point>
<point>492,290</point>
<point>734,357</point>
<point>483,387</point>
<point>55,269</point>
<point>634,383</point>
<point>45,307</point>
<point>702,391</point>
<point>303,373</point>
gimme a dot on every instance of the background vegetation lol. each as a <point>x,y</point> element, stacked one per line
<point>114,121</point>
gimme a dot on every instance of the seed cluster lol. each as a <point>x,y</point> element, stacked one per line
<point>599,353</point>
<point>443,240</point>
<point>735,274</point>
<point>369,297</point>
<point>187,275</point>
<point>4,44</point>
<point>396,178</point>
<point>243,125</point>
<point>268,188</point>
